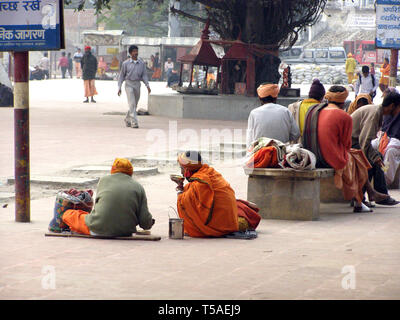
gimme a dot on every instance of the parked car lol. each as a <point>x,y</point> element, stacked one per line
<point>331,55</point>
<point>292,55</point>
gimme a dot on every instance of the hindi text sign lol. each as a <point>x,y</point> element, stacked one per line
<point>29,25</point>
<point>387,24</point>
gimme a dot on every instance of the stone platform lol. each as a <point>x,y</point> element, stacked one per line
<point>212,107</point>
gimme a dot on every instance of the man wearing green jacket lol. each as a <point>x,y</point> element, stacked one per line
<point>121,205</point>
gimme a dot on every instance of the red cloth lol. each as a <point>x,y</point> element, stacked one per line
<point>266,157</point>
<point>334,136</point>
<point>63,62</point>
<point>383,143</point>
<point>248,211</point>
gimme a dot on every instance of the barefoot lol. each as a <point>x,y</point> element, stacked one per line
<point>377,196</point>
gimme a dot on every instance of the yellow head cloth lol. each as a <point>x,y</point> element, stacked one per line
<point>265,90</point>
<point>339,97</point>
<point>188,165</point>
<point>353,105</point>
<point>122,165</point>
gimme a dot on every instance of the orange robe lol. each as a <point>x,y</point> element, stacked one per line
<point>266,157</point>
<point>208,205</point>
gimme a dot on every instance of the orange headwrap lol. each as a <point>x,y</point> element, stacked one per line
<point>349,55</point>
<point>353,105</point>
<point>122,165</point>
<point>269,89</point>
<point>339,97</point>
<point>188,165</point>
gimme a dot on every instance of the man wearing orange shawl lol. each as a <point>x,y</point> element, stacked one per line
<point>334,137</point>
<point>208,204</point>
<point>121,205</point>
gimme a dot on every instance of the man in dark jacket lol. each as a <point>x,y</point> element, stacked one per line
<point>89,69</point>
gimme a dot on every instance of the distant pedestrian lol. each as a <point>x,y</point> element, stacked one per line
<point>44,64</point>
<point>372,68</point>
<point>168,67</point>
<point>77,60</point>
<point>385,70</point>
<point>133,71</point>
<point>156,67</point>
<point>69,64</point>
<point>63,64</point>
<point>366,83</point>
<point>351,64</point>
<point>89,69</point>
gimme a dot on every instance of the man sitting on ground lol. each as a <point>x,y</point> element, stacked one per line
<point>120,206</point>
<point>208,204</point>
<point>271,120</point>
<point>327,133</point>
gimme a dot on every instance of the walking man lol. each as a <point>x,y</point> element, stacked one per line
<point>44,64</point>
<point>366,83</point>
<point>89,69</point>
<point>133,71</point>
<point>351,64</point>
<point>77,60</point>
<point>63,64</point>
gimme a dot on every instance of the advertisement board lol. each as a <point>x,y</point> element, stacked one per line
<point>387,24</point>
<point>29,25</point>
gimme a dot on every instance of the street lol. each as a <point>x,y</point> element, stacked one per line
<point>344,255</point>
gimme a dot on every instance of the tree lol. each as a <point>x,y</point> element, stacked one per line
<point>147,19</point>
<point>269,24</point>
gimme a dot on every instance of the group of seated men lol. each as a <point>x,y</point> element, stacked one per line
<point>339,140</point>
<point>207,203</point>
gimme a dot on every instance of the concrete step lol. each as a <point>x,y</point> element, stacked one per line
<point>137,171</point>
<point>233,145</point>
<point>5,196</point>
<point>59,181</point>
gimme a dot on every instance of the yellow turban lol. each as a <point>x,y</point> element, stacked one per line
<point>339,97</point>
<point>269,89</point>
<point>122,165</point>
<point>189,165</point>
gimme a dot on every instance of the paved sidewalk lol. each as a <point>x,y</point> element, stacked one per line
<point>341,256</point>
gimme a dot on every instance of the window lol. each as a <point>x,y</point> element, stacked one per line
<point>308,54</point>
<point>336,54</point>
<point>321,54</point>
<point>296,52</point>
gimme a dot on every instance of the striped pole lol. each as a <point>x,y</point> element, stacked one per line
<point>394,56</point>
<point>21,136</point>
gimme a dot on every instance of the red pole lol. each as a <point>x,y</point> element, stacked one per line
<point>21,136</point>
<point>394,56</point>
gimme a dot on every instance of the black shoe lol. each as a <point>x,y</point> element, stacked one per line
<point>86,101</point>
<point>93,100</point>
<point>388,202</point>
<point>135,125</point>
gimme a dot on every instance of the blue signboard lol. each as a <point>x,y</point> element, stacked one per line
<point>29,25</point>
<point>387,24</point>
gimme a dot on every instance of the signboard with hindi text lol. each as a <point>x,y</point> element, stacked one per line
<point>387,24</point>
<point>31,25</point>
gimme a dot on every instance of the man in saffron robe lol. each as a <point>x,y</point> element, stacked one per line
<point>208,204</point>
<point>327,133</point>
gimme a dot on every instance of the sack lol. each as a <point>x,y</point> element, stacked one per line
<point>69,200</point>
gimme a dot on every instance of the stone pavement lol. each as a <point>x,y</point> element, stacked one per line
<point>341,256</point>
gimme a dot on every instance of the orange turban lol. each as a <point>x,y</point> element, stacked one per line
<point>339,97</point>
<point>270,89</point>
<point>349,55</point>
<point>122,165</point>
<point>189,165</point>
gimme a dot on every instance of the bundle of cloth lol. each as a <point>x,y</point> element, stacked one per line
<point>272,153</point>
<point>66,200</point>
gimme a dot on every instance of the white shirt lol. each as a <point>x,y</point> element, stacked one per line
<point>168,65</point>
<point>44,63</point>
<point>272,121</point>
<point>366,85</point>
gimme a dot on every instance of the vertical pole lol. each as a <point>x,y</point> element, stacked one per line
<point>394,56</point>
<point>21,136</point>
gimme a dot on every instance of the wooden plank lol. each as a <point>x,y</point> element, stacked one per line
<point>77,235</point>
